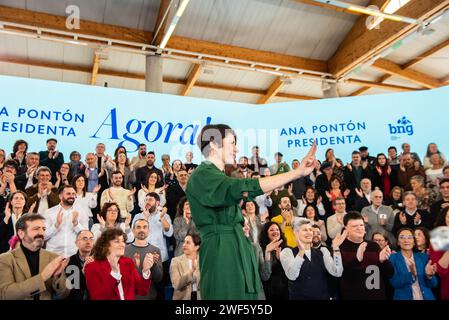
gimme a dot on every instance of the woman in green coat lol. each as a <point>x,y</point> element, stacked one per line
<point>229,270</point>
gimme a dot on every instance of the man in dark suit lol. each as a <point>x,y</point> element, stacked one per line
<point>26,175</point>
<point>30,272</point>
<point>75,269</point>
<point>175,192</point>
<point>52,158</point>
<point>364,153</point>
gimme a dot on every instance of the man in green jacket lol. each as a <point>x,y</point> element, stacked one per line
<point>227,262</point>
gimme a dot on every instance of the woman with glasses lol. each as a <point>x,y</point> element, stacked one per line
<point>380,239</point>
<point>414,274</point>
<point>109,218</point>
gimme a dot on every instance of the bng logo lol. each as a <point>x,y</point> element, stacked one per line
<point>402,127</point>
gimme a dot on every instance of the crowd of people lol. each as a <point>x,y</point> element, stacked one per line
<point>104,226</point>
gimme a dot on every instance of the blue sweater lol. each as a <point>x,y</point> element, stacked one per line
<point>402,279</point>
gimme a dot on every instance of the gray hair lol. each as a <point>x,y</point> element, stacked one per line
<point>42,168</point>
<point>419,179</point>
<point>298,222</point>
<point>407,193</point>
<point>374,192</point>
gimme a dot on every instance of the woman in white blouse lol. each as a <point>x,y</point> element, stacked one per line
<point>151,187</point>
<point>109,218</point>
<point>85,201</point>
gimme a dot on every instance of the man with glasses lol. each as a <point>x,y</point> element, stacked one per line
<point>378,218</point>
<point>75,269</point>
<point>334,223</point>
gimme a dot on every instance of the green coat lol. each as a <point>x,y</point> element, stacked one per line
<point>228,264</point>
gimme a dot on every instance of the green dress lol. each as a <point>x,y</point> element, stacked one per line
<point>229,270</point>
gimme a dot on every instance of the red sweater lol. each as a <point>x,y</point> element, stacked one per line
<point>102,286</point>
<point>435,256</point>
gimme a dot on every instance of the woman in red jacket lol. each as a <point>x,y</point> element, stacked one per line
<point>112,276</point>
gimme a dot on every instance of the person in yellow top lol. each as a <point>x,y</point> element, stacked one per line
<point>285,220</point>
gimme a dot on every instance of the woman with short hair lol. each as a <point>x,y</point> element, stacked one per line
<point>112,275</point>
<point>185,270</point>
<point>414,274</point>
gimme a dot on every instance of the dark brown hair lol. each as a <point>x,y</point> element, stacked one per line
<point>215,133</point>
<point>21,224</point>
<point>12,196</point>
<point>105,208</point>
<point>101,247</point>
<point>75,179</point>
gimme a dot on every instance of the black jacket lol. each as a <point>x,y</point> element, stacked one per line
<point>72,271</point>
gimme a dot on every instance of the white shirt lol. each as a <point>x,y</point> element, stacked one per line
<point>302,206</point>
<point>29,181</point>
<point>194,285</point>
<point>292,265</point>
<point>86,203</point>
<point>118,276</point>
<point>97,229</point>
<point>367,196</point>
<point>141,195</point>
<point>263,201</point>
<point>157,234</point>
<point>61,240</point>
<point>13,221</point>
<point>43,205</point>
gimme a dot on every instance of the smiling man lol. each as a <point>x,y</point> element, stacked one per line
<point>227,261</point>
<point>366,267</point>
<point>30,272</point>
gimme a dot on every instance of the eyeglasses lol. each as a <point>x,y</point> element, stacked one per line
<point>403,237</point>
<point>112,210</point>
<point>87,239</point>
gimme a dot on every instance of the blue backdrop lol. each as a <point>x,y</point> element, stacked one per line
<point>80,116</point>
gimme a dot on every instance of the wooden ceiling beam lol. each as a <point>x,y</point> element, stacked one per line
<point>274,88</point>
<point>90,28</point>
<point>326,6</point>
<point>161,23</point>
<point>95,67</point>
<point>141,76</point>
<point>193,76</point>
<point>410,64</point>
<point>362,44</point>
<point>445,80</point>
<point>359,91</point>
<point>380,85</point>
<point>414,76</point>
